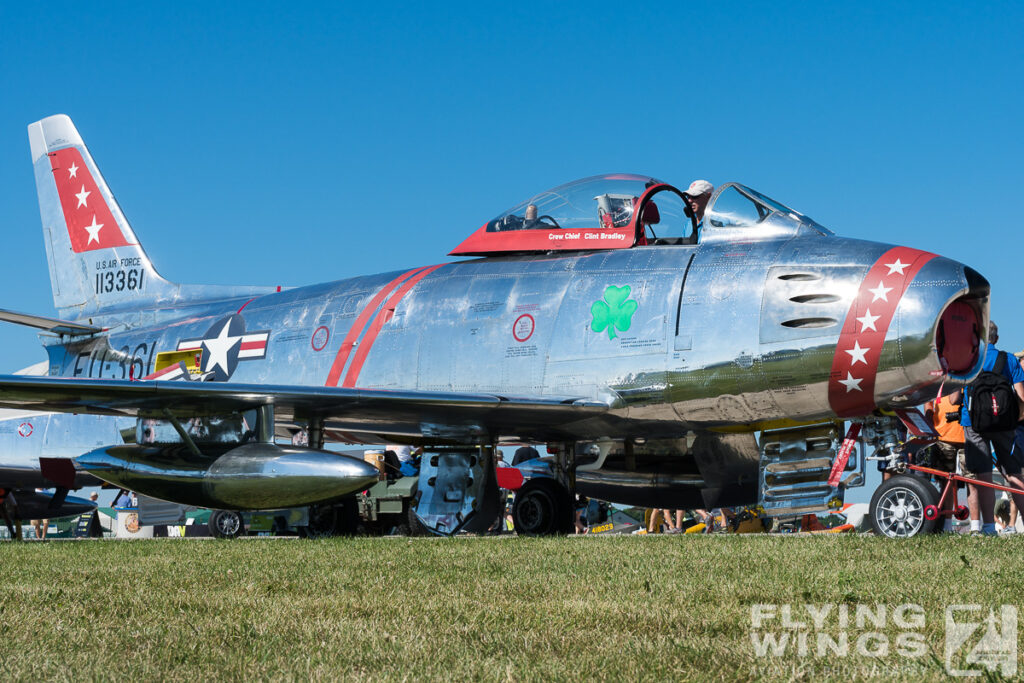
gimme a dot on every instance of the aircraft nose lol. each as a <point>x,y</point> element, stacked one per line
<point>941,326</point>
<point>916,321</point>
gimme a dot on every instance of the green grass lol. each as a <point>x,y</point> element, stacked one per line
<point>620,608</point>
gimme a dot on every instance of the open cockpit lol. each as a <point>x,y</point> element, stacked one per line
<point>621,211</point>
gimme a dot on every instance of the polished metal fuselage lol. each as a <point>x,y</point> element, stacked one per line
<point>717,339</point>
<point>758,319</point>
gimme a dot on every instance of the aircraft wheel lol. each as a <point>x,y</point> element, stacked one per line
<point>226,524</point>
<point>898,508</point>
<point>541,508</point>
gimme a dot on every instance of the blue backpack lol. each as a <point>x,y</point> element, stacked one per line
<point>993,406</point>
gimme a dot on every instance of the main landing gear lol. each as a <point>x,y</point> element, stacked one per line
<point>542,507</point>
<point>545,506</point>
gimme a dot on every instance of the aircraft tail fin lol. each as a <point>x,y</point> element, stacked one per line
<point>96,262</point>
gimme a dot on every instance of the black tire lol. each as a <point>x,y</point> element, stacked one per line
<point>542,508</point>
<point>897,508</point>
<point>226,524</point>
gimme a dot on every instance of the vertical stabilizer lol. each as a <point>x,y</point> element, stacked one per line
<point>96,263</point>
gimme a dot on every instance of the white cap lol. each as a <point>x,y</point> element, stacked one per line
<point>404,453</point>
<point>699,187</point>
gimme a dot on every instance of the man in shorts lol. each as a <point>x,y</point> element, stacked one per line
<point>979,448</point>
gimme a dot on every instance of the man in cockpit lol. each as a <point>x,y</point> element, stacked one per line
<point>697,197</point>
<point>530,219</point>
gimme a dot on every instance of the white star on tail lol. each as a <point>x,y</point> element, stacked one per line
<point>219,347</point>
<point>851,383</point>
<point>857,354</point>
<point>83,198</point>
<point>73,171</point>
<point>896,267</point>
<point>880,292</point>
<point>867,321</point>
<point>93,230</point>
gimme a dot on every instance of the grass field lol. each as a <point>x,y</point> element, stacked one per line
<point>576,609</point>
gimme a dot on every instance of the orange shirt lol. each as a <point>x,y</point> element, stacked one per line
<point>948,431</point>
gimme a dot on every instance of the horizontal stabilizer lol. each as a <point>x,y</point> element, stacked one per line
<point>54,325</point>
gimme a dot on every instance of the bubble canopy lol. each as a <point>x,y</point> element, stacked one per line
<point>592,213</point>
<point>597,202</point>
<point>619,211</point>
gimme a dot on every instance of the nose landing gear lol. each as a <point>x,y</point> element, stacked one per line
<point>904,506</point>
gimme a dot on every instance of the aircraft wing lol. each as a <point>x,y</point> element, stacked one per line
<point>370,411</point>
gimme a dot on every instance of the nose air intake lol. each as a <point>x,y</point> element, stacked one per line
<point>979,286</point>
<point>962,325</point>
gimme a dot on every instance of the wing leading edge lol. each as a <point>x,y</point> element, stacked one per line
<point>441,415</point>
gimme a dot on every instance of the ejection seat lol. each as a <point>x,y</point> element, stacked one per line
<point>650,216</point>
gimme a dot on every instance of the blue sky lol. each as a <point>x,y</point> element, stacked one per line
<point>258,143</point>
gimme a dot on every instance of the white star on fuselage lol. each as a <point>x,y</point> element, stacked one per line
<point>219,347</point>
<point>83,198</point>
<point>857,354</point>
<point>851,383</point>
<point>73,171</point>
<point>867,321</point>
<point>896,267</point>
<point>93,230</point>
<point>880,292</point>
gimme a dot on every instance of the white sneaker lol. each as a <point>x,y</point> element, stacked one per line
<point>1007,531</point>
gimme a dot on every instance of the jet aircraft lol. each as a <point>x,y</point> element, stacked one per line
<point>599,316</point>
<point>28,438</point>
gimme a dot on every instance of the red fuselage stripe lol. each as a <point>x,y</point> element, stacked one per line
<point>383,316</point>
<point>851,384</point>
<point>160,373</point>
<point>357,327</point>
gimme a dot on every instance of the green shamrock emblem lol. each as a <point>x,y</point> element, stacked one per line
<point>615,312</point>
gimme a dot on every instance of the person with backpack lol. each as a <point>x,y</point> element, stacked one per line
<point>989,414</point>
